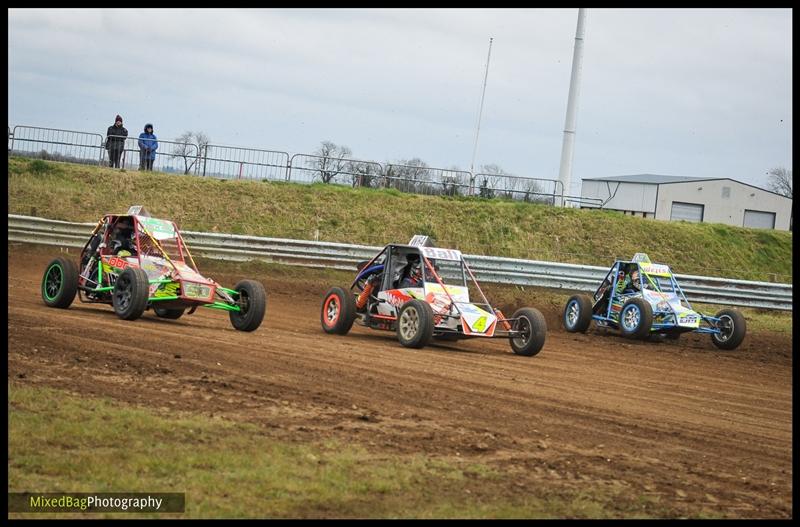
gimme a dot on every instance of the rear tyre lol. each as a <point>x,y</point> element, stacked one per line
<point>732,329</point>
<point>636,318</point>
<point>578,314</point>
<point>338,311</point>
<point>172,314</point>
<point>60,283</point>
<point>131,291</point>
<point>533,329</point>
<point>415,324</point>
<point>252,304</point>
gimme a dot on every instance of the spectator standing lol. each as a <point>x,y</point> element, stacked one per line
<point>147,148</point>
<point>115,142</point>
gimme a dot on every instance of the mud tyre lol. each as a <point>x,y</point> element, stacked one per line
<point>252,302</point>
<point>59,283</point>
<point>531,323</point>
<point>415,324</point>
<point>338,311</point>
<point>733,328</point>
<point>130,294</point>
<point>635,318</point>
<point>578,314</point>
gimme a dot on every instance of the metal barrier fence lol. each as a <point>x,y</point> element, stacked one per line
<point>171,156</point>
<point>55,144</point>
<point>490,269</point>
<point>234,162</point>
<point>305,168</point>
<point>418,179</point>
<point>519,188</point>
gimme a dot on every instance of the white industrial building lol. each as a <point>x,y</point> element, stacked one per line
<point>709,200</point>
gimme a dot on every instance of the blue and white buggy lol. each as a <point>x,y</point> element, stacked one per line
<point>650,304</point>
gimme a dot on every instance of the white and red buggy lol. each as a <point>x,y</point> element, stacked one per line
<point>136,262</point>
<point>384,295</point>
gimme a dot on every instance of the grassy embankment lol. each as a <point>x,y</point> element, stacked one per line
<point>376,217</point>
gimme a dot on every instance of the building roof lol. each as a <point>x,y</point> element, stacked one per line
<point>649,178</point>
<point>657,179</point>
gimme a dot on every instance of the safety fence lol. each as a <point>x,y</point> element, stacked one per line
<point>170,156</point>
<point>54,144</point>
<point>305,168</point>
<point>490,269</point>
<point>236,162</point>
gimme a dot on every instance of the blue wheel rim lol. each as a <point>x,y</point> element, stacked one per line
<point>631,317</point>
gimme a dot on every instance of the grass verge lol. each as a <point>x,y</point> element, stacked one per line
<point>62,442</point>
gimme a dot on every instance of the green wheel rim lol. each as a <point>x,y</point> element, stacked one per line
<point>53,281</point>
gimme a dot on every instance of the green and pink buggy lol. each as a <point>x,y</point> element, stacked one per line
<point>135,262</point>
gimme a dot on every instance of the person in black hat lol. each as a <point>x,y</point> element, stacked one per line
<point>115,142</point>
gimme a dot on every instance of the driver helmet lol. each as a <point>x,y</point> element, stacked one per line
<point>123,229</point>
<point>635,278</point>
<point>415,267</point>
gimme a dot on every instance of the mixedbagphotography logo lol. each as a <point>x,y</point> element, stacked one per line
<point>96,502</point>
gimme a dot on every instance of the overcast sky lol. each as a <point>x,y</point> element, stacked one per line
<point>690,92</point>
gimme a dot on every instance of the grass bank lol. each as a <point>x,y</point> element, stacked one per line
<point>376,217</point>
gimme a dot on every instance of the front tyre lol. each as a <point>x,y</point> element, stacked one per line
<point>131,291</point>
<point>532,328</point>
<point>636,318</point>
<point>338,311</point>
<point>415,324</point>
<point>578,314</point>
<point>732,329</point>
<point>252,302</point>
<point>60,283</point>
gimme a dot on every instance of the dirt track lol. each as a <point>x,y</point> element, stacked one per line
<point>695,428</point>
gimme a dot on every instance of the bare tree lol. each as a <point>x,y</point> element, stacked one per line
<point>452,181</point>
<point>410,174</point>
<point>488,180</point>
<point>494,181</point>
<point>330,160</point>
<point>780,181</point>
<point>190,146</point>
<point>363,173</point>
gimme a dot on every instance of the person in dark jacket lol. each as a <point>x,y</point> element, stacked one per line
<point>115,142</point>
<point>147,148</point>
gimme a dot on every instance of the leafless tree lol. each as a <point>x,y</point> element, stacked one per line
<point>363,173</point>
<point>409,175</point>
<point>488,180</point>
<point>331,160</point>
<point>191,147</point>
<point>493,181</point>
<point>452,181</point>
<point>780,181</point>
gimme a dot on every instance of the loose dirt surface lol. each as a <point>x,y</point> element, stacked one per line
<point>679,426</point>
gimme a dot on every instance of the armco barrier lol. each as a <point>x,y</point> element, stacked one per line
<point>490,269</point>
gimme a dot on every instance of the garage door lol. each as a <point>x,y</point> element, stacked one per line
<point>759,220</point>
<point>686,211</point>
